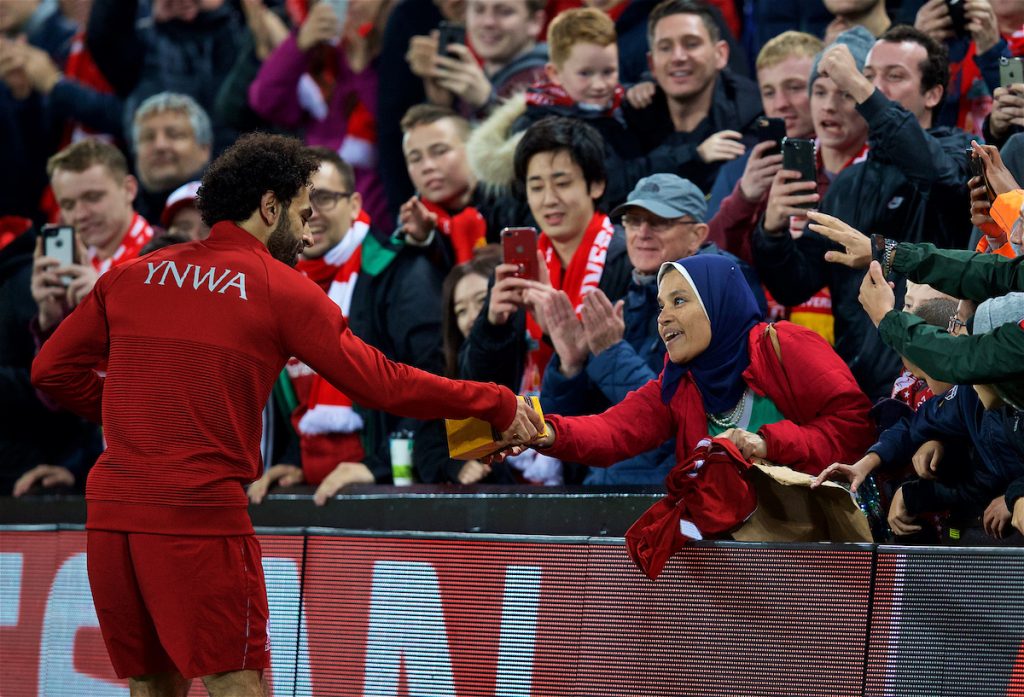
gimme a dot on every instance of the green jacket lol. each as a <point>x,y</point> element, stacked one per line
<point>993,357</point>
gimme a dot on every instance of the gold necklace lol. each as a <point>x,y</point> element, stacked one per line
<point>729,420</point>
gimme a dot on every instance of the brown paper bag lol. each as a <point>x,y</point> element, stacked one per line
<point>788,510</point>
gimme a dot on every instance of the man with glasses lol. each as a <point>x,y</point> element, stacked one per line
<point>665,219</point>
<point>324,419</point>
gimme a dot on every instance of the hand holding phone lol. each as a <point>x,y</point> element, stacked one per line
<point>519,246</point>
<point>978,170</point>
<point>59,244</point>
<point>450,33</point>
<point>958,13</point>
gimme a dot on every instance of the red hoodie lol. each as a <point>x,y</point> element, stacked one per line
<point>194,337</point>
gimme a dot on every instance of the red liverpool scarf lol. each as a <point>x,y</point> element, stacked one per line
<point>328,409</point>
<point>139,233</point>
<point>582,276</point>
<point>322,271</point>
<point>550,94</point>
<point>467,229</point>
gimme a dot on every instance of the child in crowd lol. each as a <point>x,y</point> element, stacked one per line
<point>582,83</point>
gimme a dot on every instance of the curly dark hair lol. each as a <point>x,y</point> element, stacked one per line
<point>255,164</point>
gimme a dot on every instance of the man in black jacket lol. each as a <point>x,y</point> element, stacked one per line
<point>913,187</point>
<point>700,108</point>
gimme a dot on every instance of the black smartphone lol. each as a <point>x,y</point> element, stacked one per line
<point>978,170</point>
<point>798,155</point>
<point>519,246</point>
<point>770,129</point>
<point>449,33</point>
<point>1011,71</point>
<point>958,13</point>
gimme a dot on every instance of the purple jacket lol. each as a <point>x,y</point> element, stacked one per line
<point>274,95</point>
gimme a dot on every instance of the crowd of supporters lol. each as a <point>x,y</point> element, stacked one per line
<point>630,134</point>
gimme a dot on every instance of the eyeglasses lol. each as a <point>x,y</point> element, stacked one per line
<point>326,201</point>
<point>655,225</point>
<point>955,324</point>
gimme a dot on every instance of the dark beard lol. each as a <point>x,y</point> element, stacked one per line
<point>282,244</point>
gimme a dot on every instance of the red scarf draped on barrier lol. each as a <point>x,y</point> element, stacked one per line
<point>708,494</point>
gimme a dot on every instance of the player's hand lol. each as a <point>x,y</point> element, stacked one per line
<point>525,426</point>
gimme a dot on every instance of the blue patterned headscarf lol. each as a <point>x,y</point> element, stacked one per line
<point>726,299</point>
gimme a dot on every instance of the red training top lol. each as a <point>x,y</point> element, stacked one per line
<point>194,337</point>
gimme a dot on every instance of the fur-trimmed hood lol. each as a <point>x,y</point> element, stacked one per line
<point>491,147</point>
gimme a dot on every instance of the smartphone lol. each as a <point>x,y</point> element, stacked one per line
<point>978,170</point>
<point>450,33</point>
<point>519,246</point>
<point>1011,71</point>
<point>770,129</point>
<point>59,243</point>
<point>798,155</point>
<point>958,13</point>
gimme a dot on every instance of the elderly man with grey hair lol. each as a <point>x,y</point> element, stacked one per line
<point>172,139</point>
<point>614,349</point>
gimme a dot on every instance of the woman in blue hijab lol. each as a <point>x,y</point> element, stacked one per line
<point>777,391</point>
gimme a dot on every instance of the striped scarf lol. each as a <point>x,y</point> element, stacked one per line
<point>328,410</point>
<point>138,235</point>
<point>582,276</point>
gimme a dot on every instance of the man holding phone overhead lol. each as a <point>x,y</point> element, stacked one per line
<point>910,185</point>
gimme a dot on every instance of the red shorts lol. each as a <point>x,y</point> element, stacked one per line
<point>196,605</point>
